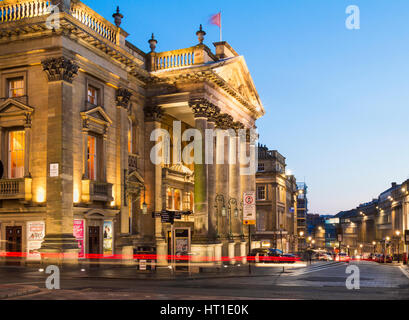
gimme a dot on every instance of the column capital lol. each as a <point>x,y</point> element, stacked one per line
<point>153,113</point>
<point>204,109</point>
<point>224,121</point>
<point>59,69</point>
<point>123,97</point>
<point>238,126</point>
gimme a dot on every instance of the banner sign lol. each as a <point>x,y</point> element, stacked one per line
<point>79,235</point>
<point>35,236</point>
<point>108,238</point>
<point>249,208</point>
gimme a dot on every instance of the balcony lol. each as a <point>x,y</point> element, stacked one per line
<point>16,189</point>
<point>96,191</point>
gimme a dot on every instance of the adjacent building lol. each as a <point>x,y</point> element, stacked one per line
<point>81,112</point>
<point>379,225</point>
<point>276,202</point>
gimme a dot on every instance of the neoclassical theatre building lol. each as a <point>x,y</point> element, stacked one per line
<point>79,106</point>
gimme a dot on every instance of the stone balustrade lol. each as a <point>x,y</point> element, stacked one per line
<point>14,10</point>
<point>16,189</point>
<point>174,59</point>
<point>11,10</point>
<point>94,21</point>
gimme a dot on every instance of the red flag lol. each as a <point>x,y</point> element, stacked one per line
<point>216,20</point>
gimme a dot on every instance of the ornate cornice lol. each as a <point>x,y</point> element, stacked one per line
<point>123,97</point>
<point>60,69</point>
<point>153,113</point>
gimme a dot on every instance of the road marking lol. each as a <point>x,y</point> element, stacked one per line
<point>316,269</point>
<point>405,272</point>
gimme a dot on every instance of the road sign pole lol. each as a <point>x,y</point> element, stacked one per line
<point>248,261</point>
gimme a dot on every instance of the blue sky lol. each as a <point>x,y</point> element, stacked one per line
<point>337,100</point>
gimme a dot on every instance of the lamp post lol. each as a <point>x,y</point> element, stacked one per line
<point>384,252</point>
<point>301,238</point>
<point>219,200</point>
<point>398,239</point>
<point>361,246</point>
<point>232,202</point>
<point>374,247</point>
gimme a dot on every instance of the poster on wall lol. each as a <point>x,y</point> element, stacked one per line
<point>108,238</point>
<point>35,236</point>
<point>79,235</point>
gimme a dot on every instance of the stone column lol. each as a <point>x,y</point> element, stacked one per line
<point>122,102</point>
<point>212,218</point>
<point>201,112</point>
<point>153,176</point>
<point>123,97</point>
<point>59,219</point>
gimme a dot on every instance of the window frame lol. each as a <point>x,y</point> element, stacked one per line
<point>265,192</point>
<point>99,88</point>
<point>9,158</point>
<point>9,89</point>
<point>95,175</point>
<point>6,77</point>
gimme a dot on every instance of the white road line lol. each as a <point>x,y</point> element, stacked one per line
<point>405,272</point>
<point>314,270</point>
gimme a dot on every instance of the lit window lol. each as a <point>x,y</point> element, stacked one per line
<point>92,158</point>
<point>261,193</point>
<point>130,137</point>
<point>16,154</point>
<point>92,95</point>
<point>177,200</point>
<point>16,87</point>
<point>169,199</point>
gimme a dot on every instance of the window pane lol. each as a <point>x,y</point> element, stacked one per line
<point>16,87</point>
<point>16,154</point>
<point>92,158</point>
<point>92,95</point>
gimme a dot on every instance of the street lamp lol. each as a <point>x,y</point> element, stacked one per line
<point>361,246</point>
<point>144,205</point>
<point>374,247</point>
<point>231,202</point>
<point>398,239</point>
<point>219,200</point>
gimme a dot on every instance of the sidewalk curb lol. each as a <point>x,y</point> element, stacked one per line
<point>18,292</point>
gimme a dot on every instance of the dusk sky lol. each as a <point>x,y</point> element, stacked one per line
<point>336,100</point>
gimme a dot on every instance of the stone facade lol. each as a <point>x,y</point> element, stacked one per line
<point>89,106</point>
<point>378,226</point>
<point>276,202</point>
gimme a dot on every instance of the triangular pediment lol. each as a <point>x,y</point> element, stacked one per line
<point>135,178</point>
<point>98,115</point>
<point>12,107</point>
<point>235,73</point>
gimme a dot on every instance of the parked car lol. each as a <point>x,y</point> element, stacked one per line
<point>342,257</point>
<point>290,258</point>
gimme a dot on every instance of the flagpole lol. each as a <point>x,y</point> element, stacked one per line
<point>221,27</point>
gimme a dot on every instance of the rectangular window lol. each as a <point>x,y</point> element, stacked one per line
<point>92,158</point>
<point>92,95</point>
<point>261,167</point>
<point>16,154</point>
<point>16,87</point>
<point>261,193</point>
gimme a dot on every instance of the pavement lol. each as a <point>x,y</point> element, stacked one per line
<point>320,281</point>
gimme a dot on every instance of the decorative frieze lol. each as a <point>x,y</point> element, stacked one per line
<point>123,97</point>
<point>60,68</point>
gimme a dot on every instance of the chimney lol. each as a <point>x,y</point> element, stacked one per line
<point>224,50</point>
<point>393,184</point>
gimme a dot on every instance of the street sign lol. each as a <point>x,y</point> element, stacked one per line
<point>407,237</point>
<point>249,208</point>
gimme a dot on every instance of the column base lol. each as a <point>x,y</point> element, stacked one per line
<point>59,248</point>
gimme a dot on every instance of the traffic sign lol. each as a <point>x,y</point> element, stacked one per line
<point>249,208</point>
